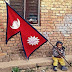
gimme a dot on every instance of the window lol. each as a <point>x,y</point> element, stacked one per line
<point>32,11</point>
<point>28,9</point>
<point>18,5</point>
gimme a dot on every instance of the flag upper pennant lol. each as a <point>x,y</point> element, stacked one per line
<point>13,22</point>
<point>30,37</point>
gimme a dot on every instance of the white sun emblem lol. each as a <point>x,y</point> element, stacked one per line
<point>33,40</point>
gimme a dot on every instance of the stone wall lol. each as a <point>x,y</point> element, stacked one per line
<point>55,24</point>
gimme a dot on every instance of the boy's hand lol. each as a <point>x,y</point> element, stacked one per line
<point>60,54</point>
<point>63,56</point>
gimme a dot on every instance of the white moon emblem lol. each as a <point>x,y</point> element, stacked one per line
<point>15,24</point>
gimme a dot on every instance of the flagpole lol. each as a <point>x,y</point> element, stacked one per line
<point>51,43</point>
<point>4,1</point>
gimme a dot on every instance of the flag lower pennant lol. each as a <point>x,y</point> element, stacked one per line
<point>30,37</point>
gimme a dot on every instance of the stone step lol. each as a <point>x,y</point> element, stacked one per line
<point>31,63</point>
<point>27,63</point>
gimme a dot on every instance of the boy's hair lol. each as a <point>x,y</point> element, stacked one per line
<point>59,42</point>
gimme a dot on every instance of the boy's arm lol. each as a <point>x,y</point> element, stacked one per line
<point>63,51</point>
<point>55,53</point>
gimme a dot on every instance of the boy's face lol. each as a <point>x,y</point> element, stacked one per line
<point>59,45</point>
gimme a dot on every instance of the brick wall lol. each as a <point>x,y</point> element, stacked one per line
<point>56,24</point>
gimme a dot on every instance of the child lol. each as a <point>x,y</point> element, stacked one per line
<point>57,50</point>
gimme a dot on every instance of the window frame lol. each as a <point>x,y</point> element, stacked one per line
<point>38,12</point>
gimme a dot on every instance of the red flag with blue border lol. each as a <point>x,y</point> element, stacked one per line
<point>30,37</point>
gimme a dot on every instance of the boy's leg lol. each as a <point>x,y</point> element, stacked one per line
<point>62,62</point>
<point>55,62</point>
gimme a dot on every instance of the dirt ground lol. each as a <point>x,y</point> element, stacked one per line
<point>58,70</point>
<point>69,70</point>
<point>40,69</point>
<point>48,69</point>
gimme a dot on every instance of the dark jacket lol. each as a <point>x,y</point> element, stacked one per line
<point>55,52</point>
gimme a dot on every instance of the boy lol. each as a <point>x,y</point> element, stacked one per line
<point>58,54</point>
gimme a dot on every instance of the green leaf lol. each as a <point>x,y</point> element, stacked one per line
<point>15,69</point>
